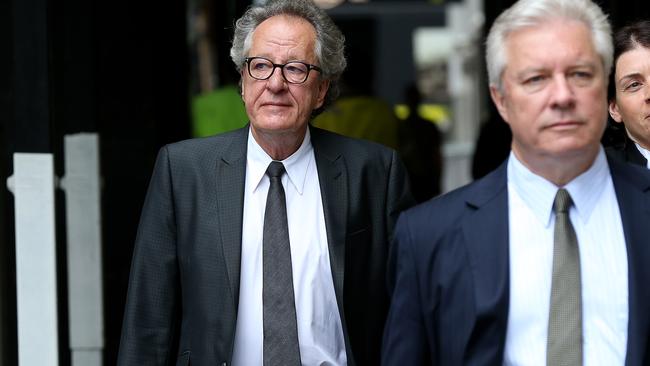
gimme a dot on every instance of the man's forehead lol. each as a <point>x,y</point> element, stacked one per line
<point>284,24</point>
<point>550,27</point>
<point>284,31</point>
<point>550,43</point>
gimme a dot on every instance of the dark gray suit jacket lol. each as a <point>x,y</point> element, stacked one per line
<point>451,278</point>
<point>184,285</point>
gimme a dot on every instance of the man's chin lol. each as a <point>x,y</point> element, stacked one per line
<point>570,152</point>
<point>277,127</point>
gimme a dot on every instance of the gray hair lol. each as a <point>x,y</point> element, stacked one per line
<point>329,47</point>
<point>528,13</point>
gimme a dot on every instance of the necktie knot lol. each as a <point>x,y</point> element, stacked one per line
<point>562,201</point>
<point>275,169</point>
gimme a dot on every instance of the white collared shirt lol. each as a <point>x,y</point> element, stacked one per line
<point>603,262</point>
<point>645,153</point>
<point>320,333</point>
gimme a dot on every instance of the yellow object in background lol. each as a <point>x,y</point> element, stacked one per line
<point>436,113</point>
<point>218,111</point>
<point>362,117</point>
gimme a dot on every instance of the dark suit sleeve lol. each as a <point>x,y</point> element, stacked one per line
<point>405,338</point>
<point>148,330</point>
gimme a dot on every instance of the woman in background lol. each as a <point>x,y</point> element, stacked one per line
<point>629,97</point>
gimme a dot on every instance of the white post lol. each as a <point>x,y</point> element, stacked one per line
<point>33,187</point>
<point>83,218</point>
<point>465,21</point>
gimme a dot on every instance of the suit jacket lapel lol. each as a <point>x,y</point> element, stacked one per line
<point>633,195</point>
<point>231,174</point>
<point>333,179</point>
<point>632,154</point>
<point>486,235</point>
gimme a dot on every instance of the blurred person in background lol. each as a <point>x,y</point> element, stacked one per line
<point>420,147</point>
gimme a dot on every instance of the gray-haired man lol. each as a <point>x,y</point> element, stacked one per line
<point>267,245</point>
<point>545,260</point>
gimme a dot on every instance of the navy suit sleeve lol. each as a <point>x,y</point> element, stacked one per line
<point>405,336</point>
<point>148,330</point>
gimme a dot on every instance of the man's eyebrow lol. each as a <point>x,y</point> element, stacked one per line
<point>529,70</point>
<point>534,69</point>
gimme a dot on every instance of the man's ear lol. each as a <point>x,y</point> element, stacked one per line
<point>323,87</point>
<point>614,112</point>
<point>498,97</point>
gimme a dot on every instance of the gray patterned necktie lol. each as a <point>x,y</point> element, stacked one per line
<point>279,309</point>
<point>564,346</point>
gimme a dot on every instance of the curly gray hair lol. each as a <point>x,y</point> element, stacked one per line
<point>330,42</point>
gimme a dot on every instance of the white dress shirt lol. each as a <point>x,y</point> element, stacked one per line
<point>603,263</point>
<point>320,333</point>
<point>645,153</point>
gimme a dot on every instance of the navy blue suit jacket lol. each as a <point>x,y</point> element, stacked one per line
<point>449,274</point>
<point>627,152</point>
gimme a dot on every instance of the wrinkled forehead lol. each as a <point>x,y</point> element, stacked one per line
<point>284,30</point>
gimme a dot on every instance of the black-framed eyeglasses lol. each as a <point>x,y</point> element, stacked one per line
<point>294,72</point>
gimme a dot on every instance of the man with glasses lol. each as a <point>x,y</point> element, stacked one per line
<point>267,245</point>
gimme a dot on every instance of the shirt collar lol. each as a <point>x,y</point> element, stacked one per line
<point>296,165</point>
<point>539,193</point>
<point>644,152</point>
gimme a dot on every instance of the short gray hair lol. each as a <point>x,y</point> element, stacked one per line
<point>527,13</point>
<point>330,42</point>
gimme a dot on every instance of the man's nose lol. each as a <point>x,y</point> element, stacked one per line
<point>563,94</point>
<point>276,81</point>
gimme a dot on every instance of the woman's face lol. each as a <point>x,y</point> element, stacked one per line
<point>632,103</point>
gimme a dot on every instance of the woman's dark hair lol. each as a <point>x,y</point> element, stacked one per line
<point>625,39</point>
